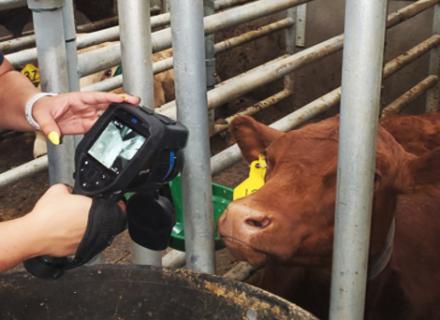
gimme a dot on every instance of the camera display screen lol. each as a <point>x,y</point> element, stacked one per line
<point>116,146</point>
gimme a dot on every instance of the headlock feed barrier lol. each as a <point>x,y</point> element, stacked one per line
<point>193,24</point>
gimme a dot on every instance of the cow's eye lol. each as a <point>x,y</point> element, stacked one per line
<point>377,179</point>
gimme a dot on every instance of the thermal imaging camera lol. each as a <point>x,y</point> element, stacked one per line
<point>128,150</point>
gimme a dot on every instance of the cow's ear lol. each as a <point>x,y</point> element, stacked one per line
<point>252,136</point>
<point>421,171</point>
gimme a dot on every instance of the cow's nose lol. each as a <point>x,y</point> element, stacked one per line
<point>260,222</point>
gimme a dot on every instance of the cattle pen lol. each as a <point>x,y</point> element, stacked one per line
<point>191,35</point>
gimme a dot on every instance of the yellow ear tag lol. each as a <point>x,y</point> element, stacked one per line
<point>257,172</point>
<point>32,73</point>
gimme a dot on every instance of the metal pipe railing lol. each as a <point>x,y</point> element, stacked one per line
<point>17,43</point>
<point>166,64</point>
<point>190,80</point>
<point>365,27</point>
<point>11,4</point>
<point>257,107</point>
<point>231,155</point>
<point>409,96</point>
<point>274,70</point>
<point>110,34</point>
<point>99,59</point>
<point>134,20</point>
<point>23,171</point>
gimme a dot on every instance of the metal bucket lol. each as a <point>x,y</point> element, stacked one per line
<point>138,292</point>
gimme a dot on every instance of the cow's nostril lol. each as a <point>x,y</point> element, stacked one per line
<point>258,222</point>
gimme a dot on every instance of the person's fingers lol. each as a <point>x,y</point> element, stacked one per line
<point>58,189</point>
<point>132,99</point>
<point>94,98</point>
<point>122,205</point>
<point>50,129</point>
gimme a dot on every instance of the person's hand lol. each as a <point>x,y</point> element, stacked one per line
<point>59,220</point>
<point>73,113</point>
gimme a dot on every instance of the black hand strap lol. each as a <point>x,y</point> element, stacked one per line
<point>106,220</point>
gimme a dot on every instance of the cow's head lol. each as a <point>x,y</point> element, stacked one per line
<point>290,220</point>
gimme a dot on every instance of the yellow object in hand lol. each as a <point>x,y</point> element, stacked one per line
<point>257,172</point>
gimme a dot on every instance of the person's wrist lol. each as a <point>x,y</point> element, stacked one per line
<point>31,104</point>
<point>35,242</point>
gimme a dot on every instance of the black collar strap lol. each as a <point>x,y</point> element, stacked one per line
<point>379,264</point>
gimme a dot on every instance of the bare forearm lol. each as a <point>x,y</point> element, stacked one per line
<point>18,242</point>
<point>15,90</point>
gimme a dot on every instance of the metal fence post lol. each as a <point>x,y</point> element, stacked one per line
<point>301,23</point>
<point>70,40</point>
<point>134,21</point>
<point>290,37</point>
<point>49,30</point>
<point>361,83</point>
<point>190,79</point>
<point>433,96</point>
<point>209,8</point>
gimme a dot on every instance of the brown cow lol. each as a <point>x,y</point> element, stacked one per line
<point>418,134</point>
<point>287,225</point>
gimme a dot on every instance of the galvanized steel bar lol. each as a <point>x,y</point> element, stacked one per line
<point>266,73</point>
<point>274,70</point>
<point>319,105</point>
<point>231,155</point>
<point>263,104</point>
<point>174,259</point>
<point>209,9</point>
<point>17,43</point>
<point>409,96</point>
<point>111,53</point>
<point>301,22</point>
<point>49,30</point>
<point>230,18</point>
<point>70,41</point>
<point>253,34</point>
<point>433,97</point>
<point>166,64</point>
<point>365,25</point>
<point>91,62</point>
<point>290,42</point>
<point>225,4</point>
<point>134,21</point>
<point>190,80</point>
<point>23,171</point>
<point>11,4</point>
<point>240,272</point>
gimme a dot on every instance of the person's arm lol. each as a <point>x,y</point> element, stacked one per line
<point>66,113</point>
<point>15,91</point>
<point>54,227</point>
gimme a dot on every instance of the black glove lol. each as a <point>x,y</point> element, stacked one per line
<point>106,220</point>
